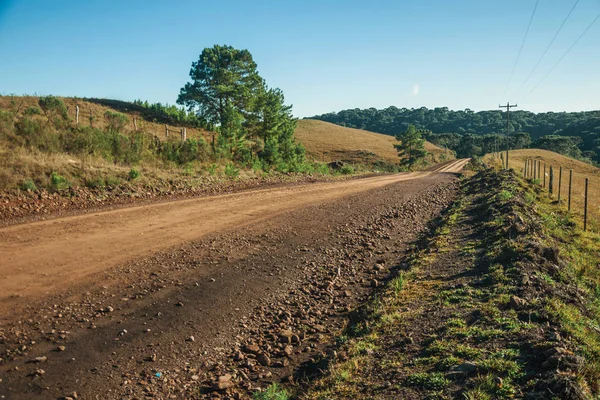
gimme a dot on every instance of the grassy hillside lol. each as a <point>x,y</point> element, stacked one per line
<point>329,142</point>
<point>39,148</point>
<point>580,169</point>
<point>97,108</point>
<point>41,145</point>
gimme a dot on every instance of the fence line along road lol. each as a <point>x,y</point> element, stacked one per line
<point>531,173</point>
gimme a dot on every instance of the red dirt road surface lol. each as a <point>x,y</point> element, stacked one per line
<point>175,276</point>
<point>41,256</point>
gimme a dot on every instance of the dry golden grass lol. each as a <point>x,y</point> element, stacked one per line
<point>323,141</point>
<point>581,170</point>
<point>329,142</point>
<point>21,103</point>
<point>18,164</point>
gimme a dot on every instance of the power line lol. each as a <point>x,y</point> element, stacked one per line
<point>549,45</point>
<point>520,49</point>
<point>566,52</point>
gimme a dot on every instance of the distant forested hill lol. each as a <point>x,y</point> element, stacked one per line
<point>392,120</point>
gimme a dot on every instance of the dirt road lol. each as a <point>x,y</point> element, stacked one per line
<point>157,301</point>
<point>41,256</point>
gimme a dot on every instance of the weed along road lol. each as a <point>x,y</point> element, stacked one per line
<point>96,299</point>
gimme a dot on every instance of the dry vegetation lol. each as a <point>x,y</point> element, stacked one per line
<point>329,142</point>
<point>21,103</point>
<point>581,171</point>
<point>29,167</point>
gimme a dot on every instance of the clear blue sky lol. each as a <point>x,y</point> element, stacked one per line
<point>325,55</point>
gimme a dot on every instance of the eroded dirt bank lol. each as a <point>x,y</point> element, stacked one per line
<point>251,304</point>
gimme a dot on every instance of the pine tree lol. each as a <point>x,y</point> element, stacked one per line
<point>411,148</point>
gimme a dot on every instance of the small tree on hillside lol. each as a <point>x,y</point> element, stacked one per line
<point>411,148</point>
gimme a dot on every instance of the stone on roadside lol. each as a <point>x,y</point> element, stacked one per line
<point>252,349</point>
<point>223,382</point>
<point>264,359</point>
<point>517,303</point>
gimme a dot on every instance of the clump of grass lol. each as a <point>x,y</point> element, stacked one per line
<point>322,169</point>
<point>95,183</point>
<point>347,170</point>
<point>28,184</point>
<point>429,381</point>
<point>505,195</point>
<point>212,169</point>
<point>58,182</point>
<point>273,392</point>
<point>231,171</point>
<point>112,181</point>
<point>133,174</point>
<point>397,284</point>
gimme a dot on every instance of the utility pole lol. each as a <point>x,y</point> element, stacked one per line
<point>508,106</point>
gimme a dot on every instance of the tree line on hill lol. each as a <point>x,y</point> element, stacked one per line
<point>469,133</point>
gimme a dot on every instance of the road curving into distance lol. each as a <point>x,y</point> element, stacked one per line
<point>40,257</point>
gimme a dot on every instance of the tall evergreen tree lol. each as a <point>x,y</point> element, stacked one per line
<point>411,148</point>
<point>227,91</point>
<point>222,77</point>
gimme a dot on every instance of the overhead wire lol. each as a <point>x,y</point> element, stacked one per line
<point>520,49</point>
<point>549,45</point>
<point>565,53</point>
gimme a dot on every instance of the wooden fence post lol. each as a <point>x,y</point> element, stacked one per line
<point>570,180</point>
<point>559,182</point>
<point>166,131</point>
<point>531,170</point>
<point>134,124</point>
<point>550,181</point>
<point>539,170</point>
<point>502,158</point>
<point>544,175</point>
<point>525,170</point>
<point>585,205</point>
<point>91,119</point>
<point>535,169</point>
<point>76,115</point>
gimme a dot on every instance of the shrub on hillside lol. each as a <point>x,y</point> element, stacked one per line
<point>28,184</point>
<point>38,134</point>
<point>115,120</point>
<point>322,169</point>
<point>184,152</point>
<point>32,110</point>
<point>347,170</point>
<point>231,171</point>
<point>53,107</point>
<point>133,174</point>
<point>7,127</point>
<point>95,183</point>
<point>58,182</point>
